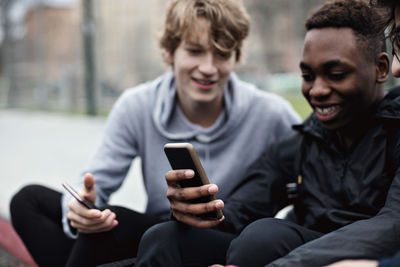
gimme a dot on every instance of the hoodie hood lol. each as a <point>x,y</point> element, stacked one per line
<point>165,105</point>
<point>389,108</point>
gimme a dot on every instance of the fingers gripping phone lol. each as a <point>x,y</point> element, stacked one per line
<point>184,156</point>
<point>75,194</point>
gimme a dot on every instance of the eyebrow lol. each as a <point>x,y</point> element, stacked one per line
<point>191,43</point>
<point>326,65</point>
<point>333,63</point>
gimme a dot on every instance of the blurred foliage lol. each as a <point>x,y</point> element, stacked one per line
<point>299,104</point>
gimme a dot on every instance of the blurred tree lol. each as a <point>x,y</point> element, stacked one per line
<point>7,56</point>
<point>89,35</point>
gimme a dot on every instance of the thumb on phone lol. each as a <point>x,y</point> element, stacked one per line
<point>89,191</point>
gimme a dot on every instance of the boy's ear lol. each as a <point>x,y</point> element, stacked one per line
<point>382,67</point>
<point>168,58</point>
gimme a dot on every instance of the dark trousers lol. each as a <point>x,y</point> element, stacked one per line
<point>261,242</point>
<point>176,244</point>
<point>36,216</point>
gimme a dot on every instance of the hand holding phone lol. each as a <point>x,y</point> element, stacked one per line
<point>84,216</point>
<point>76,195</point>
<point>184,156</point>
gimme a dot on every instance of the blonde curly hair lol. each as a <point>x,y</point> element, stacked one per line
<point>229,22</point>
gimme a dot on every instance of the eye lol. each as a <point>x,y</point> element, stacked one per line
<point>396,39</point>
<point>396,46</point>
<point>194,51</point>
<point>223,55</point>
<point>336,76</point>
<point>307,77</point>
<point>396,43</point>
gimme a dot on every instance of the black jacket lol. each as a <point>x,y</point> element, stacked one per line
<point>353,196</point>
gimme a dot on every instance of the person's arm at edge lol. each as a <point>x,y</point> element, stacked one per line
<point>376,237</point>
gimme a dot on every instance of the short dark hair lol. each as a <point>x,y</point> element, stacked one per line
<point>353,14</point>
<point>386,8</point>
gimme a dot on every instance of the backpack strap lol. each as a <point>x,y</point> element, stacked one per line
<point>292,186</point>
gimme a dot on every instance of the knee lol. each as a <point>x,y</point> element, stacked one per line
<point>260,230</point>
<point>255,234</point>
<point>159,234</point>
<point>156,241</point>
<point>26,201</point>
<point>255,244</point>
<point>157,245</point>
<point>23,197</point>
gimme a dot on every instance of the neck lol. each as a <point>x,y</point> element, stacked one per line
<point>357,129</point>
<point>201,114</point>
<point>350,137</point>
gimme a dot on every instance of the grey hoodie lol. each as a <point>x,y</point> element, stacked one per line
<point>147,116</point>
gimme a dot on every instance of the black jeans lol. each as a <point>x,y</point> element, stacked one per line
<point>261,242</point>
<point>36,216</point>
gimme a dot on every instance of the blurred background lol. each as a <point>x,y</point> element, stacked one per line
<point>76,56</point>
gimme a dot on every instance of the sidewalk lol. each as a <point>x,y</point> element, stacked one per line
<point>47,148</point>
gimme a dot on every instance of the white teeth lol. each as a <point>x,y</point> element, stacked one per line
<point>327,110</point>
<point>204,82</point>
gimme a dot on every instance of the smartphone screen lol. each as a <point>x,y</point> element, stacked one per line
<point>75,194</point>
<point>184,156</point>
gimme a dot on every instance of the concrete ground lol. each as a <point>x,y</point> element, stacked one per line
<point>6,259</point>
<point>48,148</point>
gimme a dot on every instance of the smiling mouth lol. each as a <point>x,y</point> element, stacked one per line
<point>325,111</point>
<point>204,84</point>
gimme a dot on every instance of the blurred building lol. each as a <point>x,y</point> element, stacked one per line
<point>42,48</point>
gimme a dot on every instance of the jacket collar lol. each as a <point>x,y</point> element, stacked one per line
<point>389,108</point>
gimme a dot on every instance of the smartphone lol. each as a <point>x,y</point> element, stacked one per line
<point>184,156</point>
<point>75,194</point>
